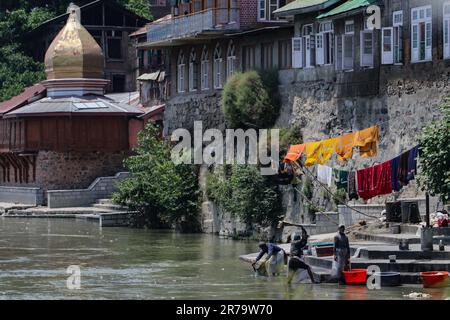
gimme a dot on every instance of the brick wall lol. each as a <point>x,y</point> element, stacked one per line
<point>248,13</point>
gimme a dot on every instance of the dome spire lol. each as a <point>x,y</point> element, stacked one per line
<point>74,53</point>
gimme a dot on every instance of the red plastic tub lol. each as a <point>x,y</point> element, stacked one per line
<point>355,276</point>
<point>434,279</point>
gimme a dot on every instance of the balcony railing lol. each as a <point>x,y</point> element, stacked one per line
<point>192,24</point>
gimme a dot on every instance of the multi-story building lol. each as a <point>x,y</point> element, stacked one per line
<point>203,42</point>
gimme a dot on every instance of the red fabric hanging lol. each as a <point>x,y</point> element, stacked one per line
<point>374,181</point>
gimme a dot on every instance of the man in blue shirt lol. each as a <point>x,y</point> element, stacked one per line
<point>275,258</point>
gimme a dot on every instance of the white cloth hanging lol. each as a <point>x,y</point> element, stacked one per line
<point>324,174</point>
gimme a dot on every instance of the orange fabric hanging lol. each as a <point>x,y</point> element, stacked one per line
<point>367,141</point>
<point>294,152</point>
<point>344,146</point>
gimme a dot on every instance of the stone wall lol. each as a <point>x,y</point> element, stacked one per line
<point>182,111</point>
<point>28,196</point>
<point>101,188</point>
<point>75,170</point>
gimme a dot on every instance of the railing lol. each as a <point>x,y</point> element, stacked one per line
<point>191,24</point>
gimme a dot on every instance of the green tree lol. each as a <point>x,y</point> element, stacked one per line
<point>140,7</point>
<point>162,193</point>
<point>243,192</point>
<point>17,71</point>
<point>248,102</point>
<point>434,163</point>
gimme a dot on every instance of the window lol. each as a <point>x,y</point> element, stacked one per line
<point>249,57</point>
<point>267,55</point>
<point>181,72</point>
<point>261,9</point>
<point>325,44</point>
<point>193,71</point>
<point>447,30</point>
<point>231,59</point>
<point>273,5</point>
<point>367,48</point>
<point>297,52</point>
<point>345,47</point>
<point>149,58</point>
<point>218,61</point>
<point>392,41</point>
<point>204,69</point>
<point>349,27</point>
<point>348,49</point>
<point>266,9</point>
<point>421,34</point>
<point>285,54</point>
<point>308,46</point>
<point>114,41</point>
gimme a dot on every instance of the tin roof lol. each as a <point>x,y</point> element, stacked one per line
<point>25,97</point>
<point>347,6</point>
<point>75,105</point>
<point>303,6</point>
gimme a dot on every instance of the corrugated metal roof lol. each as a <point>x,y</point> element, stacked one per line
<point>75,105</point>
<point>347,6</point>
<point>149,76</point>
<point>22,99</point>
<point>300,6</point>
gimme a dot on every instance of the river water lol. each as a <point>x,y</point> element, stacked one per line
<point>123,263</point>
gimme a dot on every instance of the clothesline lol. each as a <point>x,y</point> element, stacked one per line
<point>319,152</point>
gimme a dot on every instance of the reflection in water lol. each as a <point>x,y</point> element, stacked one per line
<point>122,263</point>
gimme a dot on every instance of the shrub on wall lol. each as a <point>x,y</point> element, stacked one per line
<point>245,193</point>
<point>434,162</point>
<point>163,194</point>
<point>249,102</point>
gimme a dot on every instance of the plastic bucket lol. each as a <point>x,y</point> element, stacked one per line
<point>355,276</point>
<point>434,279</point>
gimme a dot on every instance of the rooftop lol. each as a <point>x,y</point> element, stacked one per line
<point>89,105</point>
<point>304,6</point>
<point>347,6</point>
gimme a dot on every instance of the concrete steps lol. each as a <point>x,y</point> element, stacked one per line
<point>408,266</point>
<point>388,237</point>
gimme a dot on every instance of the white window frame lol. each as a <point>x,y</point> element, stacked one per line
<point>397,14</point>
<point>181,74</point>
<point>347,34</point>
<point>204,69</point>
<point>262,9</point>
<point>272,8</point>
<point>308,45</point>
<point>387,41</point>
<point>218,66</point>
<point>231,59</point>
<point>193,71</point>
<point>322,45</point>
<point>297,52</point>
<point>344,66</point>
<point>367,60</point>
<point>348,23</point>
<point>421,15</point>
<point>446,30</point>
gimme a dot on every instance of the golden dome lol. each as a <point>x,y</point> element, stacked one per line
<point>74,53</point>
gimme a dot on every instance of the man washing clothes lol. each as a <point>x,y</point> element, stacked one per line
<point>341,252</point>
<point>296,260</point>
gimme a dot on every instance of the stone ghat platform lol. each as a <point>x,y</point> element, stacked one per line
<point>101,216</point>
<point>408,263</point>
